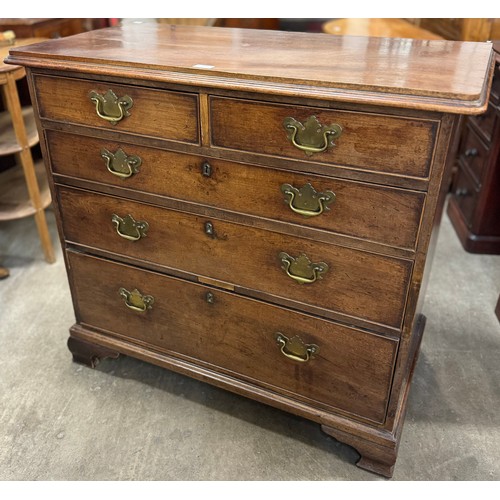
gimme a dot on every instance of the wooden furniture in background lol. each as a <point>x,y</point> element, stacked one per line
<point>391,28</point>
<point>43,27</point>
<point>466,29</point>
<point>255,220</point>
<point>191,21</point>
<point>474,205</point>
<point>23,189</point>
<point>249,23</point>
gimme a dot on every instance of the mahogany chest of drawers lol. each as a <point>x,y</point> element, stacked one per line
<point>474,206</point>
<point>255,209</point>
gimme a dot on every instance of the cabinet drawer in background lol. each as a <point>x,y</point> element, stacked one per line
<point>473,154</point>
<point>243,256</point>
<point>368,141</point>
<point>485,122</point>
<point>351,370</point>
<point>156,113</point>
<point>495,85</point>
<point>385,215</point>
<point>466,196</point>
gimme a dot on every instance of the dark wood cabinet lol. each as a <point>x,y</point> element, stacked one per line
<point>474,206</point>
<point>236,212</point>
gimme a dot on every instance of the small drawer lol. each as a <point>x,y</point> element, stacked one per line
<point>485,123</point>
<point>316,361</point>
<point>473,153</point>
<point>466,196</point>
<point>120,108</point>
<point>328,278</point>
<point>367,141</point>
<point>349,208</point>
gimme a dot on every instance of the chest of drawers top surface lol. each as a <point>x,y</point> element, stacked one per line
<point>427,74</point>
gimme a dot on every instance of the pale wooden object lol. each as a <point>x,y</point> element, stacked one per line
<point>391,28</point>
<point>467,29</point>
<point>18,139</point>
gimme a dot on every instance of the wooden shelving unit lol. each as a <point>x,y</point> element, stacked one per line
<point>8,141</point>
<point>23,188</point>
<point>15,201</point>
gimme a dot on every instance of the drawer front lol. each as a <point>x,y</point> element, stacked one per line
<point>243,256</point>
<point>155,113</point>
<point>358,209</point>
<point>466,196</point>
<point>485,122</point>
<point>368,141</point>
<point>474,154</point>
<point>351,370</point>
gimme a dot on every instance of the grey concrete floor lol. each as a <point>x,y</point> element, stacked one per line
<point>128,420</point>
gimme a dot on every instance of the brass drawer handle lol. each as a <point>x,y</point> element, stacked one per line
<point>121,164</point>
<point>307,201</point>
<point>128,228</point>
<point>135,300</point>
<point>109,107</point>
<point>312,137</point>
<point>302,269</point>
<point>294,348</point>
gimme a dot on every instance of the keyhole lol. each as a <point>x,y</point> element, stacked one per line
<point>209,229</point>
<point>206,169</point>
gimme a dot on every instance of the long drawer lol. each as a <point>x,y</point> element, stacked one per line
<point>323,276</point>
<point>356,209</point>
<point>139,110</point>
<point>313,360</point>
<point>368,141</point>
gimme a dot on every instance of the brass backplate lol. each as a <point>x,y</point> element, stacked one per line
<point>128,228</point>
<point>121,164</point>
<point>110,107</point>
<point>301,269</point>
<point>311,137</point>
<point>135,300</point>
<point>306,200</point>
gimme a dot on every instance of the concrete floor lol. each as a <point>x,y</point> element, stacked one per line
<point>127,420</point>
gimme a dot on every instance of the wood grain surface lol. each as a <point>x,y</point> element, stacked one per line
<point>244,256</point>
<point>429,73</point>
<point>373,142</point>
<point>361,210</point>
<point>352,371</point>
<point>169,115</point>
